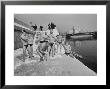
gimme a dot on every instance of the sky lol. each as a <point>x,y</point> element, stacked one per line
<point>64,22</point>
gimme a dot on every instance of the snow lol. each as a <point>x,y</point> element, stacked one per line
<point>60,65</point>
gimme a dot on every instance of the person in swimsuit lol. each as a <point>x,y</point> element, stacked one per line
<point>41,28</point>
<point>67,49</point>
<point>24,39</point>
<point>42,46</point>
<point>53,37</point>
<point>30,45</point>
<point>35,27</point>
<point>42,50</point>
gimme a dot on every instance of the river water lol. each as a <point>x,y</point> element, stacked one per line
<point>88,50</point>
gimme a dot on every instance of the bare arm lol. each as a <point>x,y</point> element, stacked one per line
<point>23,38</point>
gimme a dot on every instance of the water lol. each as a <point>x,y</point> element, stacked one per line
<point>88,50</point>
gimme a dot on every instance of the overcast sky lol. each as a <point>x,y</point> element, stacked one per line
<point>64,22</point>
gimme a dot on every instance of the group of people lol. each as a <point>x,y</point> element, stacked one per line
<point>45,43</point>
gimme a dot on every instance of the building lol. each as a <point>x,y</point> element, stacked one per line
<point>18,27</point>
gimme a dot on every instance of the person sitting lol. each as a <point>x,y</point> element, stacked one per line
<point>67,48</point>
<point>52,38</point>
<point>60,45</point>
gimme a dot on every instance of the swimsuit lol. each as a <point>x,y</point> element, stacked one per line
<point>26,46</point>
<point>51,44</point>
<point>67,54</point>
<point>30,44</point>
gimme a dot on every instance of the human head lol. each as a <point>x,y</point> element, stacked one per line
<point>41,28</point>
<point>52,25</point>
<point>34,27</point>
<point>59,37</point>
<point>49,26</point>
<point>24,32</point>
<point>51,31</point>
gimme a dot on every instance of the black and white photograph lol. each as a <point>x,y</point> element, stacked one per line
<point>55,44</point>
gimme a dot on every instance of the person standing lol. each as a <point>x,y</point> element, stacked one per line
<point>54,29</point>
<point>37,35</point>
<point>34,27</point>
<point>24,39</point>
<point>52,38</point>
<point>30,45</point>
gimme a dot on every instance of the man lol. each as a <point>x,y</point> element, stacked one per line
<point>67,49</point>
<point>24,39</point>
<point>60,45</point>
<point>41,28</point>
<point>54,29</point>
<point>52,38</point>
<point>30,45</point>
<point>42,47</point>
<point>35,27</point>
<point>41,50</point>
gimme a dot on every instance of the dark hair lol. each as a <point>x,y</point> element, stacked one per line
<point>49,26</point>
<point>35,27</point>
<point>24,30</point>
<point>41,28</point>
<point>53,25</point>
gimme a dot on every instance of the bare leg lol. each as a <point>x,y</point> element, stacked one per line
<point>39,52</point>
<point>24,52</point>
<point>30,51</point>
<point>49,49</point>
<point>53,50</point>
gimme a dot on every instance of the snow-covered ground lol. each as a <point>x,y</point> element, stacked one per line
<point>18,52</point>
<point>61,65</point>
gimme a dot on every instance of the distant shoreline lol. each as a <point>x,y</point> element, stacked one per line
<point>82,36</point>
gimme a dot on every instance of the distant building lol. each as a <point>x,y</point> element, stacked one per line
<point>72,31</point>
<point>77,29</point>
<point>18,27</point>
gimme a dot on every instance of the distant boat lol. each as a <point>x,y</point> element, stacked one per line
<point>82,36</point>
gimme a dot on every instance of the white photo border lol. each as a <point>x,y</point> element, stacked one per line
<point>100,10</point>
